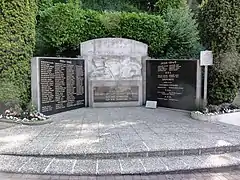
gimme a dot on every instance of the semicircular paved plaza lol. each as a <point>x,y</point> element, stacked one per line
<point>119,141</point>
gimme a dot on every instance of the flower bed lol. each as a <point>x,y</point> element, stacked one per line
<point>215,113</point>
<point>34,118</point>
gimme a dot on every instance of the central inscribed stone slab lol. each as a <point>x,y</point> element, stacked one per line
<point>114,71</point>
<point>116,94</point>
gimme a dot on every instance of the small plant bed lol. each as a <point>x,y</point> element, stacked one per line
<point>217,113</point>
<point>15,109</point>
<point>26,118</point>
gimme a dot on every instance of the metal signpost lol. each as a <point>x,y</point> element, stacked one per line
<point>206,59</point>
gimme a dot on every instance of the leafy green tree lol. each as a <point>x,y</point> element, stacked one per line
<point>145,5</point>
<point>184,40</point>
<point>162,6</point>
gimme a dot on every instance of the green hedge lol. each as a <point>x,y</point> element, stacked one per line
<point>223,87</point>
<point>17,39</point>
<point>149,29</point>
<point>63,27</point>
<point>219,23</point>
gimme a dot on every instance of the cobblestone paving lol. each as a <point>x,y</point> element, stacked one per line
<point>114,130</point>
<point>231,175</point>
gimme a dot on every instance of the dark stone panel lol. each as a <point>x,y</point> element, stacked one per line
<point>172,83</point>
<point>62,85</point>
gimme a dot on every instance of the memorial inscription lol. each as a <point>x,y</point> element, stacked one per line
<point>61,85</point>
<point>172,83</point>
<point>116,94</point>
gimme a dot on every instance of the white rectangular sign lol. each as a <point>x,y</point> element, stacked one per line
<point>206,58</point>
<point>151,104</point>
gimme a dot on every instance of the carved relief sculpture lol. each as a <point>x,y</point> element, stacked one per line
<point>115,68</point>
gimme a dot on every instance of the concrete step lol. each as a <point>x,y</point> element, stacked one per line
<point>101,154</point>
<point>147,165</point>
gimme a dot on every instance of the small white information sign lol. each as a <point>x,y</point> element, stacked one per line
<point>151,104</point>
<point>206,58</point>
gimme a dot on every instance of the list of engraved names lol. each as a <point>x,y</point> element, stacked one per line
<point>62,84</point>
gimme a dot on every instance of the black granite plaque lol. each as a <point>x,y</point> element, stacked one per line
<point>172,83</point>
<point>62,85</point>
<point>115,94</point>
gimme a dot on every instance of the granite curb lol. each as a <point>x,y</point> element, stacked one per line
<point>160,153</point>
<point>124,166</point>
<point>180,171</point>
<point>27,123</point>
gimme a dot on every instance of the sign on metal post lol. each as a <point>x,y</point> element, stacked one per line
<point>206,59</point>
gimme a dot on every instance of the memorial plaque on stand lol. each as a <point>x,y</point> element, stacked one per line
<point>62,84</point>
<point>172,83</point>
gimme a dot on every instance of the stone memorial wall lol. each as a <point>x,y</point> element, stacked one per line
<point>114,71</point>
<point>172,83</point>
<point>58,84</point>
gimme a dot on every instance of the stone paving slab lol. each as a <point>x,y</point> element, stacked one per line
<point>34,165</point>
<point>4,125</point>
<point>120,132</point>
<point>85,167</point>
<point>124,166</point>
<point>65,166</point>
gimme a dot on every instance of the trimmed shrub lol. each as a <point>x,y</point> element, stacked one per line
<point>145,28</point>
<point>65,27</point>
<point>9,92</point>
<point>223,87</point>
<point>17,39</point>
<point>183,36</point>
<point>219,22</point>
<point>9,96</point>
<point>224,82</point>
